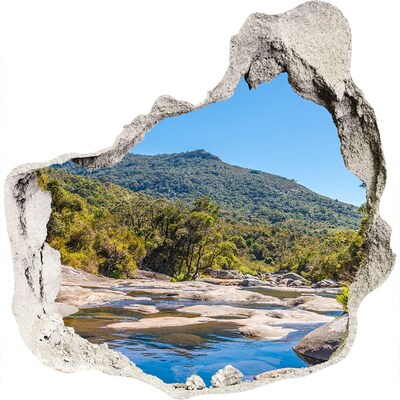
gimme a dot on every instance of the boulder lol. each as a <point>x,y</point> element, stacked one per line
<point>248,282</point>
<point>320,344</point>
<point>227,376</point>
<point>296,283</point>
<point>194,382</point>
<point>293,276</point>
<point>286,282</point>
<point>224,274</point>
<point>326,283</point>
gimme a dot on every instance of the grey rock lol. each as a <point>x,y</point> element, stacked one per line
<point>195,382</point>
<point>226,376</point>
<point>325,283</point>
<point>297,283</point>
<point>224,274</point>
<point>320,344</point>
<point>293,276</point>
<point>286,282</point>
<point>248,282</point>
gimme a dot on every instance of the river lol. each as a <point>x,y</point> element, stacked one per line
<point>173,354</point>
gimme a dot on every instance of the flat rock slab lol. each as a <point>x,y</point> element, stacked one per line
<point>265,332</point>
<point>259,324</point>
<point>252,316</point>
<point>75,276</point>
<point>142,308</point>
<point>84,297</point>
<point>219,311</point>
<point>162,322</point>
<point>314,303</point>
<point>227,293</point>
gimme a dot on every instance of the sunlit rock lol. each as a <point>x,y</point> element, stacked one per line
<point>194,382</point>
<point>227,376</point>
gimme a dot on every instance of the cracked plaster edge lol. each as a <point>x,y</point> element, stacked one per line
<point>316,57</point>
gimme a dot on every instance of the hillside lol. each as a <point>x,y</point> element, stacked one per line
<point>104,228</point>
<point>244,195</point>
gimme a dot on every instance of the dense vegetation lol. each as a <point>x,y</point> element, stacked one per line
<point>244,195</point>
<point>104,228</point>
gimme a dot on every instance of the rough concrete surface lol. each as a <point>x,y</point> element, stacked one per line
<point>312,44</point>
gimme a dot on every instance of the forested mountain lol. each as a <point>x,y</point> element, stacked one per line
<point>104,228</point>
<point>244,195</point>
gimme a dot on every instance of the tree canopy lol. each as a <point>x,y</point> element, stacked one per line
<point>244,195</point>
<point>104,228</point>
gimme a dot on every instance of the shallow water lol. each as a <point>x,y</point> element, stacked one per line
<point>173,354</point>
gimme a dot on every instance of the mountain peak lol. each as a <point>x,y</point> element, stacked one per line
<point>200,153</point>
<point>245,195</point>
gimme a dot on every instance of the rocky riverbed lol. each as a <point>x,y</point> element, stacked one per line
<point>188,316</point>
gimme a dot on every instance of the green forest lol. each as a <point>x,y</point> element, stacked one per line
<point>244,195</point>
<point>104,228</point>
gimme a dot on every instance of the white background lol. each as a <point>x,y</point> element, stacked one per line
<point>73,72</point>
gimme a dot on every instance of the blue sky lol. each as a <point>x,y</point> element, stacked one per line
<point>271,129</point>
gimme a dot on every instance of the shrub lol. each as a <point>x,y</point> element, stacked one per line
<point>343,298</point>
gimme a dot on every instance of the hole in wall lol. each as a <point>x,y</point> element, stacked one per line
<point>311,43</point>
<point>204,254</point>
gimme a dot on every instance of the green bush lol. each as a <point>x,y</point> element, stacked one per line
<point>104,228</point>
<point>343,298</point>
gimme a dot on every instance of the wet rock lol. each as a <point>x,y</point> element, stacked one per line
<point>181,339</point>
<point>227,376</point>
<point>142,308</point>
<point>265,332</point>
<point>214,311</point>
<point>162,322</point>
<point>320,344</point>
<point>194,382</point>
